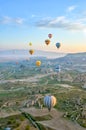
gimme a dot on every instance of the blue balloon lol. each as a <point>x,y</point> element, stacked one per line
<point>8,128</point>
<point>58,44</point>
<point>58,69</point>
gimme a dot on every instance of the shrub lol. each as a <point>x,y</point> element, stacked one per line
<point>17,124</point>
<point>27,127</point>
<point>18,129</point>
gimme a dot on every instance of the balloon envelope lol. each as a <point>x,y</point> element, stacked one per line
<point>50,35</point>
<point>49,101</point>
<point>8,128</point>
<point>16,62</point>
<point>38,63</point>
<point>30,44</point>
<point>58,69</point>
<point>31,51</point>
<point>58,44</point>
<point>47,41</point>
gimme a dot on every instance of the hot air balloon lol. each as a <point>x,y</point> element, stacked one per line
<point>58,69</point>
<point>47,41</point>
<point>8,128</point>
<point>50,35</point>
<point>16,63</point>
<point>58,45</point>
<point>31,51</point>
<point>49,101</point>
<point>30,44</point>
<point>38,63</point>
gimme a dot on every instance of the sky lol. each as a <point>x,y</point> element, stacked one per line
<point>24,21</point>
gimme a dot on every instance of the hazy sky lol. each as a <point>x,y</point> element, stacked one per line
<point>24,21</point>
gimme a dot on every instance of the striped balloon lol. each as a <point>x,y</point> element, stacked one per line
<point>49,102</point>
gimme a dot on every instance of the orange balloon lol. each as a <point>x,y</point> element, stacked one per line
<point>31,51</point>
<point>38,63</point>
<point>47,41</point>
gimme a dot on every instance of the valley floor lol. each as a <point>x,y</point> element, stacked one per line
<point>57,122</point>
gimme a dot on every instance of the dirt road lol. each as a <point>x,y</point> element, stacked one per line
<point>29,79</point>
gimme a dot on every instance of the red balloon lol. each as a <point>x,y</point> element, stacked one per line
<point>16,63</point>
<point>50,35</point>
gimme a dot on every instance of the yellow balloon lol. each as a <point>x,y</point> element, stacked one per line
<point>30,44</point>
<point>31,51</point>
<point>38,63</point>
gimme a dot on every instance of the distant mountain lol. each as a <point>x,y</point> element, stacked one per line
<point>73,57</point>
<point>7,55</point>
<point>75,61</point>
